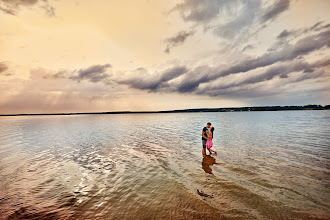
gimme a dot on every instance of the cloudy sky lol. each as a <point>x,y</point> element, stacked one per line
<point>113,55</point>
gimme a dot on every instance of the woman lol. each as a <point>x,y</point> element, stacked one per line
<point>209,142</point>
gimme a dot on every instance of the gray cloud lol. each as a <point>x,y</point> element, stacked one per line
<point>244,19</point>
<point>212,13</point>
<point>243,14</point>
<point>297,32</point>
<point>257,91</point>
<point>302,47</point>
<point>248,47</point>
<point>254,90</point>
<point>95,73</point>
<point>235,20</point>
<point>282,71</point>
<point>283,34</point>
<point>199,11</point>
<point>12,6</point>
<point>277,8</point>
<point>261,94</point>
<point>177,40</point>
<point>154,82</point>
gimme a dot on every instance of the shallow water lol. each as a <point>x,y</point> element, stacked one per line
<point>270,165</point>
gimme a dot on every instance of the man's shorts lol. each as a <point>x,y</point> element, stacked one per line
<point>204,143</point>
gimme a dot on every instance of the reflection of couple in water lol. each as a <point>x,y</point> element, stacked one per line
<point>207,162</point>
<point>207,136</point>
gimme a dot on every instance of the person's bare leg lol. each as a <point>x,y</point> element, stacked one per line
<point>203,152</point>
<point>216,153</point>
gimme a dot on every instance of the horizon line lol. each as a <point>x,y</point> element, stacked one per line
<point>224,109</point>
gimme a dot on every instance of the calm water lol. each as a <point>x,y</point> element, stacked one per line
<point>270,165</point>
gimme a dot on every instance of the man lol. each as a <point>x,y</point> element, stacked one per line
<point>204,137</point>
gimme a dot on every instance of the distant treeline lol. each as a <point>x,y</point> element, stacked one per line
<point>261,108</point>
<point>234,109</point>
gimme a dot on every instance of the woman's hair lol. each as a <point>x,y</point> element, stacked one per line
<point>212,129</point>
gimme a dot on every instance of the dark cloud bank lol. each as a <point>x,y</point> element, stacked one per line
<point>278,63</point>
<point>289,53</point>
<point>154,82</point>
<point>95,73</point>
<point>282,71</point>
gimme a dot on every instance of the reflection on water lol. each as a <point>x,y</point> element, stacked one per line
<point>207,162</point>
<point>270,165</point>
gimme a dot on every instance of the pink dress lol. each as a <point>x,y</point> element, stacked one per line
<point>209,143</point>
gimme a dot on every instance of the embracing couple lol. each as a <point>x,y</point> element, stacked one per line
<point>207,136</point>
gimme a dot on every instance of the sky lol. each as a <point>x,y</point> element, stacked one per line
<point>145,55</point>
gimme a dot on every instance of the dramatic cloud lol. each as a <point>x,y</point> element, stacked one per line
<point>264,89</point>
<point>302,47</point>
<point>177,40</point>
<point>236,20</point>
<point>12,6</point>
<point>154,82</point>
<point>95,73</point>
<point>276,9</point>
<point>282,71</point>
<point>212,13</point>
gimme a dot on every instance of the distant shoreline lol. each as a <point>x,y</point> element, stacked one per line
<point>233,109</point>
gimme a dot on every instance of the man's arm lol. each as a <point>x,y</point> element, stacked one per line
<point>203,135</point>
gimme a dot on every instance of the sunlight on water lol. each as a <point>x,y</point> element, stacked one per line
<point>270,165</point>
